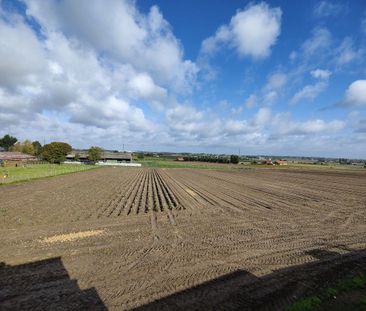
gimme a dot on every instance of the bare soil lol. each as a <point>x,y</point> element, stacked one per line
<point>155,239</point>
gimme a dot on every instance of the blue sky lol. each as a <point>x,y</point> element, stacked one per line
<point>274,77</point>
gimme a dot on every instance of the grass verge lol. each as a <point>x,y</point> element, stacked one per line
<point>36,171</point>
<point>327,297</point>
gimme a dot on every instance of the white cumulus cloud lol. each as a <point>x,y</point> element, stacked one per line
<point>356,94</point>
<point>252,32</point>
<point>321,73</point>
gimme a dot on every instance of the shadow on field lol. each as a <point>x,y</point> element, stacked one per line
<point>241,290</point>
<point>44,285</point>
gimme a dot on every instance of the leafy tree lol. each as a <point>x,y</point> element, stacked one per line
<point>37,148</point>
<point>234,159</point>
<point>56,152</point>
<point>140,156</point>
<point>95,154</point>
<point>7,141</point>
<point>77,156</point>
<point>24,147</point>
<point>17,147</point>
<point>28,147</point>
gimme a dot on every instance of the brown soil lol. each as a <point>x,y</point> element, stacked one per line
<point>179,238</point>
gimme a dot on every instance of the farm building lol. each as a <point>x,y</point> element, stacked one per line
<point>15,158</point>
<point>280,162</point>
<point>179,159</point>
<point>267,162</point>
<point>107,156</point>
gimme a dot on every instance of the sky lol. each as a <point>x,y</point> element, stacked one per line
<point>271,77</point>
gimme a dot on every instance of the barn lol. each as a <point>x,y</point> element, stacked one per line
<point>15,158</point>
<point>107,156</point>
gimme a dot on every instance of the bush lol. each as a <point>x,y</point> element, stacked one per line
<point>234,159</point>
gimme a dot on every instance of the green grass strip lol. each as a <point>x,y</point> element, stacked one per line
<point>343,286</point>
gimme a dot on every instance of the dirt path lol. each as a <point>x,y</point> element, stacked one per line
<point>185,238</point>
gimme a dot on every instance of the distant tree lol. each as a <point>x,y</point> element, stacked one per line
<point>28,147</point>
<point>7,141</point>
<point>95,154</point>
<point>37,148</point>
<point>17,147</point>
<point>56,152</point>
<point>234,159</point>
<point>140,156</point>
<point>24,147</point>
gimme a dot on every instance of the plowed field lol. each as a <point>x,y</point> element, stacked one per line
<point>124,238</point>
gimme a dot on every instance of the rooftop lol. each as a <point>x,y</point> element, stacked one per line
<point>13,156</point>
<point>115,155</point>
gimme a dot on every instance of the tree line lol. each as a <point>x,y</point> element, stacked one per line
<point>234,159</point>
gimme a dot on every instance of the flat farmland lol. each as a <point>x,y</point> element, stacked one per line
<point>189,239</point>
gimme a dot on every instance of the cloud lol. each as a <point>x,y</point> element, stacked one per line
<point>275,84</point>
<point>284,125</point>
<point>321,73</point>
<point>270,92</point>
<point>363,25</point>
<point>327,9</point>
<point>355,94</point>
<point>121,32</point>
<point>88,65</point>
<point>143,86</point>
<point>251,101</point>
<point>309,92</point>
<point>21,54</point>
<point>320,40</point>
<point>92,74</point>
<point>347,53</point>
<point>251,32</point>
<point>188,123</point>
<point>357,121</point>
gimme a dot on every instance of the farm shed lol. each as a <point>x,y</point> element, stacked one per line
<point>107,156</point>
<point>15,158</point>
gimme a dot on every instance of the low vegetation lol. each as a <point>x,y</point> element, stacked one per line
<point>322,300</point>
<point>29,172</point>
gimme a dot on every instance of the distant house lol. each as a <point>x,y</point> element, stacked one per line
<point>280,162</point>
<point>179,159</point>
<point>15,158</point>
<point>107,156</point>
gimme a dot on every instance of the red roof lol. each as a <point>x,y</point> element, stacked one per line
<point>15,156</point>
